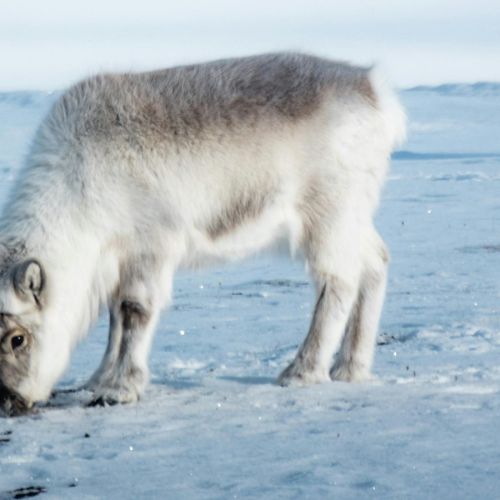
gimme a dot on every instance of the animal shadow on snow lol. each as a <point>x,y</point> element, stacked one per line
<point>67,398</point>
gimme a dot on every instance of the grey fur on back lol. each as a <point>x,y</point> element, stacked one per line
<point>180,103</point>
<point>102,129</point>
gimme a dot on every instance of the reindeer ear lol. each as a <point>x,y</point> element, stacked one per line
<point>29,279</point>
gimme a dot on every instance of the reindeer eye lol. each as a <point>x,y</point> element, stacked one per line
<point>17,341</point>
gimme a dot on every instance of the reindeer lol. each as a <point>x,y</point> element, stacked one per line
<point>132,176</point>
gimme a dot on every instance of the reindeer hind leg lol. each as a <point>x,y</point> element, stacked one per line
<point>355,357</point>
<point>332,251</point>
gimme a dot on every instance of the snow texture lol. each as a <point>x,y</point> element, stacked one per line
<point>213,424</point>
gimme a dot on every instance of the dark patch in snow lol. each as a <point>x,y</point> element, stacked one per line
<point>343,405</point>
<point>26,492</point>
<point>488,248</point>
<point>277,283</point>
<point>70,390</point>
<point>249,380</point>
<point>387,338</point>
<point>102,401</point>
<point>437,196</point>
<point>4,437</point>
<point>298,477</point>
<point>5,168</point>
<point>248,295</point>
<point>365,485</point>
<point>410,200</point>
<point>467,176</point>
<point>186,307</point>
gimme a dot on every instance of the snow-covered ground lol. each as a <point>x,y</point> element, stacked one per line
<point>213,425</point>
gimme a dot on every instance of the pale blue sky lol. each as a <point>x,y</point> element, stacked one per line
<point>48,44</point>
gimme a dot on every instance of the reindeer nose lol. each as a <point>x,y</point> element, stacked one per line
<point>11,404</point>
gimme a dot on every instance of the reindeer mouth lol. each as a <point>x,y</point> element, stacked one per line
<point>11,404</point>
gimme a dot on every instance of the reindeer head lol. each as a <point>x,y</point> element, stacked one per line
<point>22,299</point>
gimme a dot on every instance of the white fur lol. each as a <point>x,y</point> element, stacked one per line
<point>86,243</point>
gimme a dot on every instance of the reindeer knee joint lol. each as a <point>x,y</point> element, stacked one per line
<point>134,314</point>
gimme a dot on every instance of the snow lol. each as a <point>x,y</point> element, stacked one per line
<point>214,425</point>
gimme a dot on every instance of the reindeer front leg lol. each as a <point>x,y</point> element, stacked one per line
<point>123,374</point>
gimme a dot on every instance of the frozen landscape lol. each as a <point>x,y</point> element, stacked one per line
<point>214,425</point>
